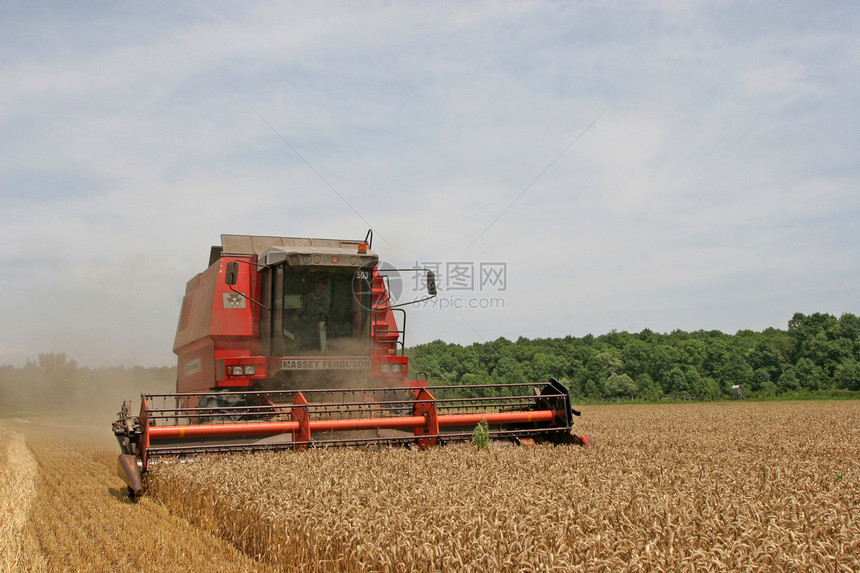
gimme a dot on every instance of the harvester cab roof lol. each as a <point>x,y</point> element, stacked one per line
<point>296,252</point>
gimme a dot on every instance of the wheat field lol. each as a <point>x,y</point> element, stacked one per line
<point>680,487</point>
<point>689,487</point>
<point>64,509</point>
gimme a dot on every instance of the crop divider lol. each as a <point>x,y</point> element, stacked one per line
<point>299,413</point>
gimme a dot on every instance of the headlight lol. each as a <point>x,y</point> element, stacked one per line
<point>250,370</point>
<point>235,370</point>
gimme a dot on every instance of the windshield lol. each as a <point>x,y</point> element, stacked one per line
<point>319,312</point>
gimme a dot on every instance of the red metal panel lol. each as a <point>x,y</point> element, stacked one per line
<point>497,418</point>
<point>403,423</point>
<point>274,428</point>
<point>195,371</point>
<point>299,414</point>
<point>211,328</point>
<point>417,422</point>
<point>227,320</point>
<point>425,405</point>
<point>199,294</point>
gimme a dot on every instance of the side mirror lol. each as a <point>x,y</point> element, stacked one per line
<point>431,283</point>
<point>232,273</point>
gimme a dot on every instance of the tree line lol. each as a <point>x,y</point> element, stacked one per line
<point>816,354</point>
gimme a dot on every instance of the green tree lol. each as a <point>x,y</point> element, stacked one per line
<point>677,382</point>
<point>605,364</point>
<point>817,351</point>
<point>647,388</point>
<point>705,388</point>
<point>593,389</point>
<point>788,381</point>
<point>847,375</point>
<point>768,390</point>
<point>692,352</point>
<point>808,374</point>
<point>771,353</point>
<point>761,377</point>
<point>849,330</point>
<point>803,329</point>
<point>545,365</point>
<point>734,370</point>
<point>636,357</point>
<point>696,385</point>
<point>620,386</point>
<point>508,371</point>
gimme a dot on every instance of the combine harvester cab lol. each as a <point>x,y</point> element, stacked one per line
<point>290,343</point>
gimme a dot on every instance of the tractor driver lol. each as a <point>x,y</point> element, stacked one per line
<point>314,313</point>
<point>315,304</point>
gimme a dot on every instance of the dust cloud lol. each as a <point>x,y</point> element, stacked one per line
<point>79,403</point>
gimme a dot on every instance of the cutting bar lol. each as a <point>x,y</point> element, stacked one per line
<point>188,424</point>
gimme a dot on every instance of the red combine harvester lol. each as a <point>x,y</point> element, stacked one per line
<point>290,343</point>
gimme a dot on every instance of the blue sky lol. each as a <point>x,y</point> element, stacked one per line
<point>657,165</point>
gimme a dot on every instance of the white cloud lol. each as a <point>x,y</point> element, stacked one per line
<point>717,190</point>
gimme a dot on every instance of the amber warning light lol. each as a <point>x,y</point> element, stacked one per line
<point>362,247</point>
